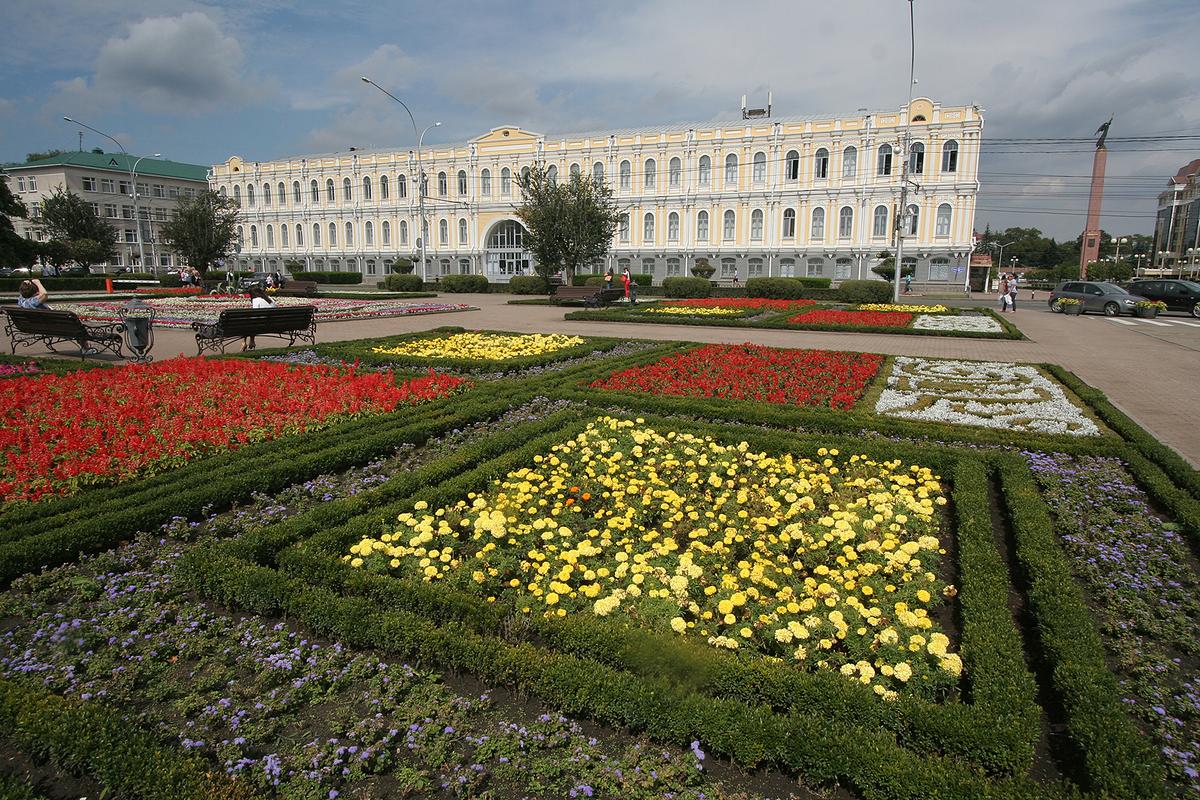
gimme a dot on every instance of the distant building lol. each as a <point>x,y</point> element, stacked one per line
<point>1177,229</point>
<point>103,179</point>
<point>788,196</point>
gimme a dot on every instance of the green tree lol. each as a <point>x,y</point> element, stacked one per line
<point>86,252</point>
<point>67,217</point>
<point>56,253</point>
<point>203,230</point>
<point>45,155</point>
<point>15,250</point>
<point>568,225</point>
<point>403,266</point>
<point>702,269</point>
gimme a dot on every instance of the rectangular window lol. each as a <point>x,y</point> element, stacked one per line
<point>126,212</point>
<point>32,184</point>
<point>110,210</point>
<point>89,184</point>
<point>160,190</point>
<point>673,267</point>
<point>160,215</point>
<point>107,185</point>
<point>95,208</point>
<point>728,268</point>
<point>164,261</point>
<point>125,187</point>
<point>143,190</point>
<point>20,184</point>
<point>842,269</point>
<point>173,192</point>
<point>35,210</point>
<point>755,268</point>
<point>939,270</point>
<point>130,236</point>
<point>190,192</point>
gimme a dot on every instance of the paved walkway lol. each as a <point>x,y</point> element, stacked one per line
<point>1153,379</point>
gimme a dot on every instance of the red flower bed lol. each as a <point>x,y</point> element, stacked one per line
<point>855,319</point>
<point>168,291</point>
<point>753,303</point>
<point>59,433</point>
<point>752,372</point>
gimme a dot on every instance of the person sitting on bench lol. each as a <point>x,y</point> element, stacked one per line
<point>258,299</point>
<point>32,295</point>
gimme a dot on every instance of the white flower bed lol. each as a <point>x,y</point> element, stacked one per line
<point>989,394</point>
<point>971,324</point>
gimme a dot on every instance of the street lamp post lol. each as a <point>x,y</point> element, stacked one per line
<point>1000,256</point>
<point>1162,261</point>
<point>1117,257</point>
<point>903,216</point>
<point>420,169</point>
<point>137,213</point>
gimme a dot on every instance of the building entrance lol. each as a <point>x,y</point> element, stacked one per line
<point>506,254</point>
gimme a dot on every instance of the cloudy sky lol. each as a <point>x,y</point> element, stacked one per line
<point>200,81</point>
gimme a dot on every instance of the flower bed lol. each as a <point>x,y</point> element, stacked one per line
<point>995,395</point>
<point>695,311</point>
<point>737,548</point>
<point>170,291</point>
<point>482,346</point>
<point>752,372</point>
<point>851,319</point>
<point>60,433</point>
<point>1145,591</point>
<point>907,309</point>
<point>15,370</point>
<point>966,323</point>
<point>181,312</point>
<point>751,303</point>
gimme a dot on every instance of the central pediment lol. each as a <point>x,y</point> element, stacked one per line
<point>507,136</point>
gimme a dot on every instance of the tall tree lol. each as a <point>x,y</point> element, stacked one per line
<point>568,225</point>
<point>44,155</point>
<point>15,250</point>
<point>67,217</point>
<point>203,230</point>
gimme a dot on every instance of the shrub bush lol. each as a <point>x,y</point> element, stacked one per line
<point>329,277</point>
<point>528,284</point>
<point>814,282</point>
<point>403,266</point>
<point>170,281</point>
<point>703,269</point>
<point>464,283</point>
<point>403,283</point>
<point>594,280</point>
<point>864,292</point>
<point>822,295</point>
<point>687,287</point>
<point>775,288</point>
<point>53,284</point>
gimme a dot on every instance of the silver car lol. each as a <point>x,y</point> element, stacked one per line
<point>1107,298</point>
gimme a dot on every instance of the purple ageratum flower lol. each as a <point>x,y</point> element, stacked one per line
<point>696,751</point>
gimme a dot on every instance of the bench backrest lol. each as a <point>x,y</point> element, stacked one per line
<point>299,286</point>
<point>250,321</point>
<point>50,323</point>
<point>576,291</point>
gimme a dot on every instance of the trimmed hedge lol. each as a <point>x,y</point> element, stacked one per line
<point>864,292</point>
<point>464,283</point>
<point>528,284</point>
<point>687,287</point>
<point>775,288</point>
<point>399,282</point>
<point>329,277</point>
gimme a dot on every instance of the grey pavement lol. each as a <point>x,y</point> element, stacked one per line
<point>1151,372</point>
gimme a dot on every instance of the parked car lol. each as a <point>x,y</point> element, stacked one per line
<point>1107,298</point>
<point>1179,295</point>
<point>261,279</point>
<point>74,271</point>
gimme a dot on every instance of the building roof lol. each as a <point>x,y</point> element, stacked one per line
<point>1191,169</point>
<point>119,162</point>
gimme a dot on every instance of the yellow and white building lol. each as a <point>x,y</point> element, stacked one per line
<point>791,196</point>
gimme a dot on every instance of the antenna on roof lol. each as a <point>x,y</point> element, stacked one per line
<point>757,113</point>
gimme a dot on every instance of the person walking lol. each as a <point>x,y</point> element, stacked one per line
<point>1012,292</point>
<point>908,284</point>
<point>1004,296</point>
<point>31,294</point>
<point>258,299</point>
<point>626,279</point>
<point>608,278</point>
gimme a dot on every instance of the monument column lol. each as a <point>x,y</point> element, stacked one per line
<point>1089,250</point>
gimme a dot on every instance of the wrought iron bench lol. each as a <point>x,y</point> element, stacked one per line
<point>29,326</point>
<point>291,323</point>
<point>297,289</point>
<point>591,295</point>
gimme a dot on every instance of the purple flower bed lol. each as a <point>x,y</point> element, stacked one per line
<point>1145,593</point>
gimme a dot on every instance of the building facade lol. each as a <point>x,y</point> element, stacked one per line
<point>133,202</point>
<point>761,197</point>
<point>1177,227</point>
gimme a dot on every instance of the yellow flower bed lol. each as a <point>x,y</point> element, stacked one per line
<point>939,309</point>
<point>828,562</point>
<point>492,347</point>
<point>694,311</point>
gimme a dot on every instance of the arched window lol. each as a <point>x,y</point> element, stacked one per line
<point>846,222</point>
<point>366,187</point>
<point>950,156</point>
<point>648,229</point>
<point>383,187</point>
<point>524,173</point>
<point>368,233</point>
<point>731,176</point>
<point>424,183</point>
<point>270,235</point>
<point>916,158</point>
<point>283,235</point>
<point>879,223</point>
<point>705,172</point>
<point>626,173</point>
<point>385,231</point>
<point>462,231</point>
<point>651,174</point>
<point>266,194</point>
<point>728,267</point>
<point>237,194</point>
<point>939,269</point>
<point>885,160</point>
<point>574,171</point>
<point>849,162</point>
<point>756,225</point>
<point>942,222</point>
<point>250,194</point>
<point>299,236</point>
<point>443,185</point>
<point>821,164</point>
<point>623,227</point>
<point>787,267</point>
<point>316,235</point>
<point>444,231</point>
<point>791,166</point>
<point>914,218</point>
<point>729,226</point>
<point>789,223</point>
<point>462,183</point>
<point>598,172</point>
<point>332,235</point>
<point>403,231</point>
<point>221,191</point>
<point>295,192</point>
<point>673,227</point>
<point>505,182</point>
<point>401,186</point>
<point>485,182</point>
<point>329,195</point>
<point>675,172</point>
<point>241,235</point>
<point>816,267</point>
<point>253,228</point>
<point>702,226</point>
<point>347,190</point>
<point>817,231</point>
<point>760,168</point>
<point>314,191</point>
<point>552,174</point>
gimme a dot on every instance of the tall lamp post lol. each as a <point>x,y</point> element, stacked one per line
<point>420,169</point>
<point>137,213</point>
<point>1117,257</point>
<point>1162,261</point>
<point>1000,255</point>
<point>903,217</point>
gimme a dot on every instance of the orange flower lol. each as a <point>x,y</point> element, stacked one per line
<point>587,495</point>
